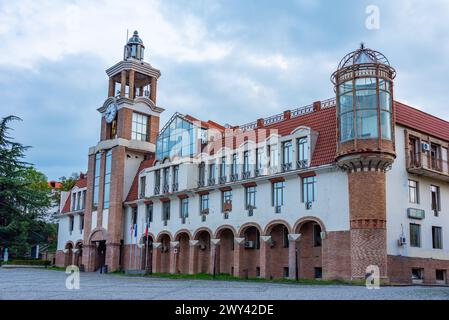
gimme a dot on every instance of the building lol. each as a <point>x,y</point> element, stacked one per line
<point>328,190</point>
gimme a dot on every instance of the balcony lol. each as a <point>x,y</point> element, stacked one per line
<point>246,175</point>
<point>257,172</point>
<point>157,189</point>
<point>424,164</point>
<point>286,166</point>
<point>234,177</point>
<point>222,180</point>
<point>211,182</point>
<point>166,188</point>
<point>175,187</point>
<point>301,164</point>
<point>201,183</point>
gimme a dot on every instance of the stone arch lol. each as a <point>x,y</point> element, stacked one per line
<point>274,223</point>
<point>224,252</point>
<point>78,257</point>
<point>182,255</point>
<point>162,233</point>
<point>203,252</point>
<point>306,219</point>
<point>146,254</point>
<point>68,253</point>
<point>98,234</point>
<point>69,245</point>
<point>179,232</point>
<point>277,249</point>
<point>143,238</point>
<point>247,225</point>
<point>225,227</point>
<point>310,248</point>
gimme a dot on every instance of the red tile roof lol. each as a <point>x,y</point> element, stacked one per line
<point>66,207</point>
<point>421,121</point>
<point>134,190</point>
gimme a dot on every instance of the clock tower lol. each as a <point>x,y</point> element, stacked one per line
<point>129,128</point>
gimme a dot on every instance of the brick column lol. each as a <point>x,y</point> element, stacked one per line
<point>89,251</point>
<point>156,257</point>
<point>264,256</point>
<point>123,83</point>
<point>153,89</point>
<point>193,256</point>
<point>174,256</point>
<point>214,250</point>
<point>293,239</point>
<point>111,90</point>
<point>238,256</point>
<point>131,84</point>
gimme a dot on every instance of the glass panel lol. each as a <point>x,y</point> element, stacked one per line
<point>385,100</point>
<point>347,126</point>
<point>366,99</point>
<point>385,124</point>
<point>367,124</point>
<point>365,83</point>
<point>345,87</point>
<point>346,102</point>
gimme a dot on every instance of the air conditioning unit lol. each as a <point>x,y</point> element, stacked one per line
<point>402,241</point>
<point>308,205</point>
<point>249,244</point>
<point>425,146</point>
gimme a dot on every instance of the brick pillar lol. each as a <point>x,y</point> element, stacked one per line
<point>293,239</point>
<point>238,256</point>
<point>111,90</point>
<point>367,208</point>
<point>131,84</point>
<point>153,89</point>
<point>112,256</point>
<point>156,257</point>
<point>193,256</point>
<point>123,83</point>
<point>264,256</point>
<point>89,252</point>
<point>214,251</point>
<point>174,252</point>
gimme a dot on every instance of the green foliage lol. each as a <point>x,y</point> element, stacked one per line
<point>67,183</point>
<point>28,262</point>
<point>24,197</point>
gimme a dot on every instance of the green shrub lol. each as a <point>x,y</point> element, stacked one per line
<point>29,262</point>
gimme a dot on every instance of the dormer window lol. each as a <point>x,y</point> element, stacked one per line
<point>287,150</point>
<point>303,152</point>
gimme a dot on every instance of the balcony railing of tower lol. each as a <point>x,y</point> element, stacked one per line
<point>325,104</point>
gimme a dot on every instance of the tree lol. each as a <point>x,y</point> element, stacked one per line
<point>66,185</point>
<point>24,195</point>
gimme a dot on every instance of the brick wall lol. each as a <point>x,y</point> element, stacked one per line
<point>400,268</point>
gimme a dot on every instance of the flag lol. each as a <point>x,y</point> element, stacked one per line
<point>132,229</point>
<point>146,231</point>
<point>135,230</point>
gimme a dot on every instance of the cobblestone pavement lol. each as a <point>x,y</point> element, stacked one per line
<point>50,284</point>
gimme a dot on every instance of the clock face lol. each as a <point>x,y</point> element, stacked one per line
<point>111,112</point>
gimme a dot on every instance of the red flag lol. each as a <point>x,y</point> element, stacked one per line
<point>146,231</point>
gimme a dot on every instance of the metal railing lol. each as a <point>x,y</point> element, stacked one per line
<point>425,161</point>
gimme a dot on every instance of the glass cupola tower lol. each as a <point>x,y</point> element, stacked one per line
<point>364,90</point>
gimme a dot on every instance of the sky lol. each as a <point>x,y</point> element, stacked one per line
<point>229,61</point>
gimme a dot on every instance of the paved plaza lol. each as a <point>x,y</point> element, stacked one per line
<point>51,284</point>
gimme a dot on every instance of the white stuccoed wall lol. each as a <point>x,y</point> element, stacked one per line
<point>397,204</point>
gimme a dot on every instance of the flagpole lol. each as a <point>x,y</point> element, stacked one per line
<point>130,246</point>
<point>147,248</point>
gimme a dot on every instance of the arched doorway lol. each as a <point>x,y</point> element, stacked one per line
<point>182,258</point>
<point>309,248</point>
<point>68,254</point>
<point>225,251</point>
<point>98,241</point>
<point>250,258</point>
<point>203,257</point>
<point>164,261</point>
<point>277,251</point>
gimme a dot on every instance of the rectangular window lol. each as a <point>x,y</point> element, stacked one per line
<point>274,156</point>
<point>440,275</point>
<point>142,187</point>
<point>84,200</point>
<point>435,156</point>
<point>413,191</point>
<point>303,152</point>
<point>212,173</point>
<point>184,207</point>
<point>139,127</point>
<point>316,235</point>
<point>226,204</point>
<point>73,201</point>
<point>71,223</point>
<point>277,197</point>
<point>96,188</point>
<point>318,272</point>
<point>415,235</point>
<point>246,161</point>
<point>134,216</point>
<point>309,189</point>
<point>165,176</point>
<point>81,222</point>
<point>175,178</point>
<point>250,197</point>
<point>437,237</point>
<point>107,179</point>
<point>436,202</point>
<point>204,203</point>
<point>78,201</point>
<point>287,152</point>
<point>417,274</point>
<point>223,167</point>
<point>259,161</point>
<point>166,211</point>
<point>234,167</point>
<point>149,213</point>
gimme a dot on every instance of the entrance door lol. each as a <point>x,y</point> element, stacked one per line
<point>101,254</point>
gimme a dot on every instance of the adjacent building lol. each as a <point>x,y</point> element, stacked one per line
<point>338,189</point>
